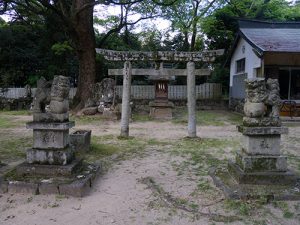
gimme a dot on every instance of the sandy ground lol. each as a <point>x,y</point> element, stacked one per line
<point>120,196</point>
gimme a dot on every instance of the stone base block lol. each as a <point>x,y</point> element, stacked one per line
<point>262,145</point>
<point>234,190</point>
<point>46,139</point>
<point>161,113</point>
<point>81,140</point>
<point>259,163</point>
<point>262,178</point>
<point>76,185</point>
<point>50,156</point>
<point>77,188</point>
<point>262,130</point>
<point>50,117</point>
<point>161,110</point>
<point>111,115</point>
<point>46,188</point>
<point>48,170</point>
<point>22,187</point>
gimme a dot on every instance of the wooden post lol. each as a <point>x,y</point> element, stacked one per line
<point>191,97</point>
<point>126,99</point>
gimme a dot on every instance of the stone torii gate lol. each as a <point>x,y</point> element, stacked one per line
<point>160,56</point>
<point>161,107</point>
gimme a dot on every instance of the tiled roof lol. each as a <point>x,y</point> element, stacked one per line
<point>271,36</point>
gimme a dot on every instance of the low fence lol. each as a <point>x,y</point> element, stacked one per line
<point>176,92</point>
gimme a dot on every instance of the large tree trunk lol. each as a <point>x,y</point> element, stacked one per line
<point>84,38</point>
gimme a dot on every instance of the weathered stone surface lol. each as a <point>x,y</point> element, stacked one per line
<point>3,186</point>
<point>77,188</point>
<point>161,113</point>
<point>233,190</point>
<point>161,110</point>
<point>22,187</point>
<point>81,140</point>
<point>155,74</point>
<point>261,178</point>
<point>50,126</point>
<point>42,96</point>
<point>50,156</point>
<point>261,122</point>
<point>256,109</point>
<point>60,88</point>
<point>261,145</point>
<point>255,90</point>
<point>262,130</point>
<point>260,163</point>
<point>49,170</point>
<point>205,56</point>
<point>50,117</point>
<point>112,115</point>
<point>47,187</point>
<point>89,111</point>
<point>50,139</point>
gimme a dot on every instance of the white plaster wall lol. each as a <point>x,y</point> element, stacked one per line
<point>252,61</point>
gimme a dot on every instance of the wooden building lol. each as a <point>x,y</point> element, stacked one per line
<point>267,50</point>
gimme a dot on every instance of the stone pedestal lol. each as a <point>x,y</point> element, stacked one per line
<point>161,110</point>
<point>50,143</point>
<point>260,160</point>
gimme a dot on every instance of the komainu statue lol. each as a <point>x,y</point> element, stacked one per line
<point>42,96</point>
<point>51,102</point>
<point>273,101</point>
<point>60,95</point>
<point>262,103</point>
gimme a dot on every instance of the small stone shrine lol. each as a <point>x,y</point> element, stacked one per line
<point>51,166</point>
<point>161,107</point>
<point>259,168</point>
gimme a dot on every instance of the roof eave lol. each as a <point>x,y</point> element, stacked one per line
<point>259,50</point>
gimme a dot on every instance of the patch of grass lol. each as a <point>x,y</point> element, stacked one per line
<point>10,122</point>
<point>156,142</point>
<point>204,185</point>
<point>205,153</point>
<point>104,146</point>
<point>141,118</point>
<point>82,120</point>
<point>15,113</point>
<point>243,207</point>
<point>285,209</point>
<point>208,117</point>
<point>14,148</point>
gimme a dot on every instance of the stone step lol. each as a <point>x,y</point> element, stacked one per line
<point>261,178</point>
<point>259,163</point>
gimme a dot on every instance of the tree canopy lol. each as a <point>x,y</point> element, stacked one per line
<point>44,38</point>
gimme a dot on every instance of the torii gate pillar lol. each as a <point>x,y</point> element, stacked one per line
<point>126,99</point>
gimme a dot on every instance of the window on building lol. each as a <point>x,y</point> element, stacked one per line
<point>240,65</point>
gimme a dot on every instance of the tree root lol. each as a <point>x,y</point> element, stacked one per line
<point>173,202</point>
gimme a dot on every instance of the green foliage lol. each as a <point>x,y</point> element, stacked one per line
<point>221,26</point>
<point>25,54</point>
<point>220,75</point>
<point>61,48</point>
